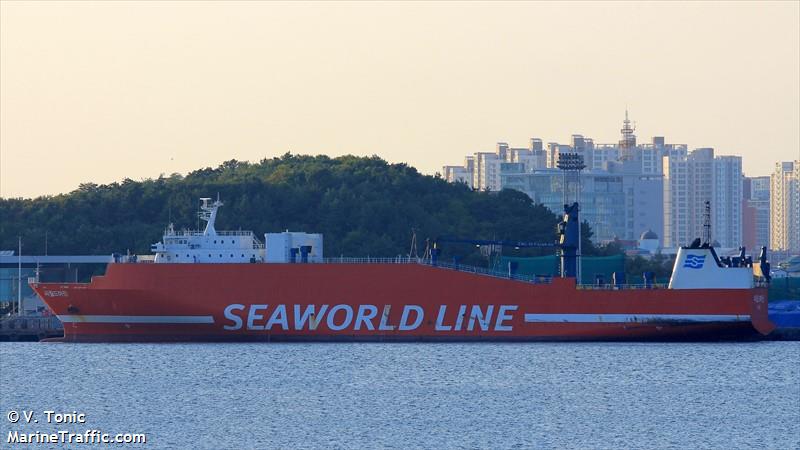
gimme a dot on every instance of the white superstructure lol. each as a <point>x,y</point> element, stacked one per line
<point>699,267</point>
<point>209,245</point>
<point>291,247</point>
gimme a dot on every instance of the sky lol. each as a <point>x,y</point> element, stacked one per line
<point>102,91</point>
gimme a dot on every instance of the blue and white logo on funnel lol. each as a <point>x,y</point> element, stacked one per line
<point>694,261</point>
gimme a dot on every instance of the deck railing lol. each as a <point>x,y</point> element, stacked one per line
<point>369,260</point>
<point>615,287</point>
<point>535,279</point>
<point>538,279</point>
<point>202,233</point>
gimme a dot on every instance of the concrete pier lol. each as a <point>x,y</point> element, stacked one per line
<point>30,328</point>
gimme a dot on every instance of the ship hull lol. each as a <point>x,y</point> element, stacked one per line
<point>560,333</point>
<point>383,302</point>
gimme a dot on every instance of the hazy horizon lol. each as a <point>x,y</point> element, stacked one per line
<point>98,92</point>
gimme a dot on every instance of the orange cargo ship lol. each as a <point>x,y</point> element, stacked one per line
<point>227,286</point>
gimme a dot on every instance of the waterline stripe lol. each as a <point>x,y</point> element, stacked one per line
<point>77,318</point>
<point>635,318</point>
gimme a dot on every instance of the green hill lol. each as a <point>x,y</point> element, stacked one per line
<point>364,206</point>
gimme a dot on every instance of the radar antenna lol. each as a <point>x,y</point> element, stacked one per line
<point>208,212</point>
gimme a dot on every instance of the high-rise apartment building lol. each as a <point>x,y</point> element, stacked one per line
<point>651,155</point>
<point>460,174</point>
<point>628,188</point>
<point>481,170</point>
<point>785,207</point>
<point>487,168</point>
<point>755,212</point>
<point>687,186</point>
<point>531,158</point>
<point>603,154</point>
<point>726,203</point>
<point>691,180</point>
<point>677,217</point>
<point>554,149</point>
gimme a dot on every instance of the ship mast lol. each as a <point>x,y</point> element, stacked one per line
<point>412,253</point>
<point>208,212</point>
<point>19,277</point>
<point>707,223</point>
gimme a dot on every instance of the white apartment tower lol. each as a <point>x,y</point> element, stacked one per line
<point>691,180</point>
<point>651,156</point>
<point>726,204</point>
<point>785,207</point>
<point>759,200</point>
<point>487,170</point>
<point>687,186</point>
<point>482,169</point>
<point>461,174</point>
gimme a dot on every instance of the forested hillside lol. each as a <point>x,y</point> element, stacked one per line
<point>364,206</point>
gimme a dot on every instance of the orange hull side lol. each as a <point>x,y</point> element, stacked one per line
<point>272,302</point>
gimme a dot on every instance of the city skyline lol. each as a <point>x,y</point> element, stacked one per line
<point>95,92</point>
<point>657,189</point>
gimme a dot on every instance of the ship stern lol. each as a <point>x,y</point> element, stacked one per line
<point>759,312</point>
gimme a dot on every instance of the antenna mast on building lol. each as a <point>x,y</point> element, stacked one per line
<point>627,144</point>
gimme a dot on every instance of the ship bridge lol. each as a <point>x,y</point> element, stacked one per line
<point>208,245</point>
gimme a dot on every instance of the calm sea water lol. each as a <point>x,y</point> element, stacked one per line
<point>567,395</point>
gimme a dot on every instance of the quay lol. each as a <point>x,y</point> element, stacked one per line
<point>23,316</point>
<point>29,328</point>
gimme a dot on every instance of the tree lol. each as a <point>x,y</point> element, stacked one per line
<point>362,205</point>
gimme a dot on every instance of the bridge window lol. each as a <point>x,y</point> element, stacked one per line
<point>215,241</point>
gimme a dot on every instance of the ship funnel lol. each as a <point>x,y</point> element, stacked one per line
<point>701,268</point>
